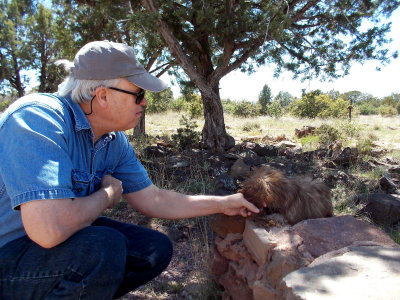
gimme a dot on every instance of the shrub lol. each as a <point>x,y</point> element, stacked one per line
<point>364,146</point>
<point>387,111</point>
<point>398,108</point>
<point>309,142</point>
<point>159,102</point>
<point>327,134</point>
<point>187,135</point>
<point>315,104</point>
<point>246,109</point>
<point>310,105</point>
<point>367,109</point>
<point>195,107</point>
<point>337,109</point>
<point>178,104</point>
<point>349,129</point>
<point>4,105</point>
<point>274,109</point>
<point>228,105</point>
<point>251,126</point>
<point>284,99</point>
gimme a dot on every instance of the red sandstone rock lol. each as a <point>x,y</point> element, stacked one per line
<point>222,224</point>
<point>219,265</point>
<point>232,247</point>
<point>235,287</point>
<point>262,291</point>
<point>260,261</point>
<point>324,235</point>
<point>258,242</point>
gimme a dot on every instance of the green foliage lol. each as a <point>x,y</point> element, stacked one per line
<point>15,49</point>
<point>310,142</point>
<point>42,38</point>
<point>310,105</point>
<point>178,104</point>
<point>274,109</point>
<point>4,104</point>
<point>364,146</point>
<point>387,110</point>
<point>337,109</point>
<point>218,38</point>
<point>251,126</point>
<point>246,109</point>
<point>368,109</point>
<point>264,99</point>
<point>284,99</point>
<point>327,134</point>
<point>195,107</point>
<point>186,135</point>
<point>349,129</point>
<point>159,102</point>
<point>315,104</point>
<point>228,105</point>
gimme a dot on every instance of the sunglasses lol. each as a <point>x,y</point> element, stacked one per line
<point>139,96</point>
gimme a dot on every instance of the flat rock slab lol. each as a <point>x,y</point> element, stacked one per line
<point>362,272</point>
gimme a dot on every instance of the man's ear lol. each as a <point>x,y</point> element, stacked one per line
<point>101,96</point>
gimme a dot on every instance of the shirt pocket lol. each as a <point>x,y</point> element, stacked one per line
<point>85,183</point>
<point>81,182</point>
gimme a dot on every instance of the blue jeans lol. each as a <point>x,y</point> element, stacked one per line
<point>102,261</point>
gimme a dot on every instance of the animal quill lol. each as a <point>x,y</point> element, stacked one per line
<point>296,199</point>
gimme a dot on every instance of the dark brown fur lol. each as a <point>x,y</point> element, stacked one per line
<point>296,199</point>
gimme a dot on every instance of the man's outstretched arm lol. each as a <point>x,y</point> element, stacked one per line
<point>166,204</point>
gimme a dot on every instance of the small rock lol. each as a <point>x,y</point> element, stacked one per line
<point>239,169</point>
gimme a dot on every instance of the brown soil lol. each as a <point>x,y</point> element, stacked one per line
<point>187,276</point>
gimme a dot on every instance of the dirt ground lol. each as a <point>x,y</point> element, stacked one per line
<point>187,276</point>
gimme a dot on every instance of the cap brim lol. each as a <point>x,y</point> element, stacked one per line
<point>148,82</point>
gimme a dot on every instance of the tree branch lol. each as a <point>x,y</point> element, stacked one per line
<point>225,69</point>
<point>176,50</point>
<point>299,14</point>
<point>152,59</point>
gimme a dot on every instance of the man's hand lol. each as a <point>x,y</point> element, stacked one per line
<point>236,204</point>
<point>113,188</point>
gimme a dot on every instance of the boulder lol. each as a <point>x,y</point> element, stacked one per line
<point>387,184</point>
<point>239,169</point>
<point>381,208</point>
<point>259,264</point>
<point>346,157</point>
<point>360,272</point>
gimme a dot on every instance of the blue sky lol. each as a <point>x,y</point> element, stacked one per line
<point>364,78</point>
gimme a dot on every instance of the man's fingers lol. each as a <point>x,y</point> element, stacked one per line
<point>251,207</point>
<point>243,212</point>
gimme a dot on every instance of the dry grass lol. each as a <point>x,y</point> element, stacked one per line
<point>384,130</point>
<point>192,257</point>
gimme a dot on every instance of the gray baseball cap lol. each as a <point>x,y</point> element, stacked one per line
<point>101,60</point>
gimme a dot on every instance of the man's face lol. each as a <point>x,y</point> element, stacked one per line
<point>124,111</point>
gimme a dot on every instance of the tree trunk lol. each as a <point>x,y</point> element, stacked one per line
<point>214,134</point>
<point>16,81</point>
<point>140,129</point>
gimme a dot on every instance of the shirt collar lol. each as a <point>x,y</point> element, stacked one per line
<point>81,122</point>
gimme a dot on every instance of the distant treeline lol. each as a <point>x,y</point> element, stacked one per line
<point>311,105</point>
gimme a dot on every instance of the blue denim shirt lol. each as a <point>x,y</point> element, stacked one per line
<point>47,151</point>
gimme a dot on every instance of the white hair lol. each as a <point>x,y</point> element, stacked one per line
<point>80,90</point>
